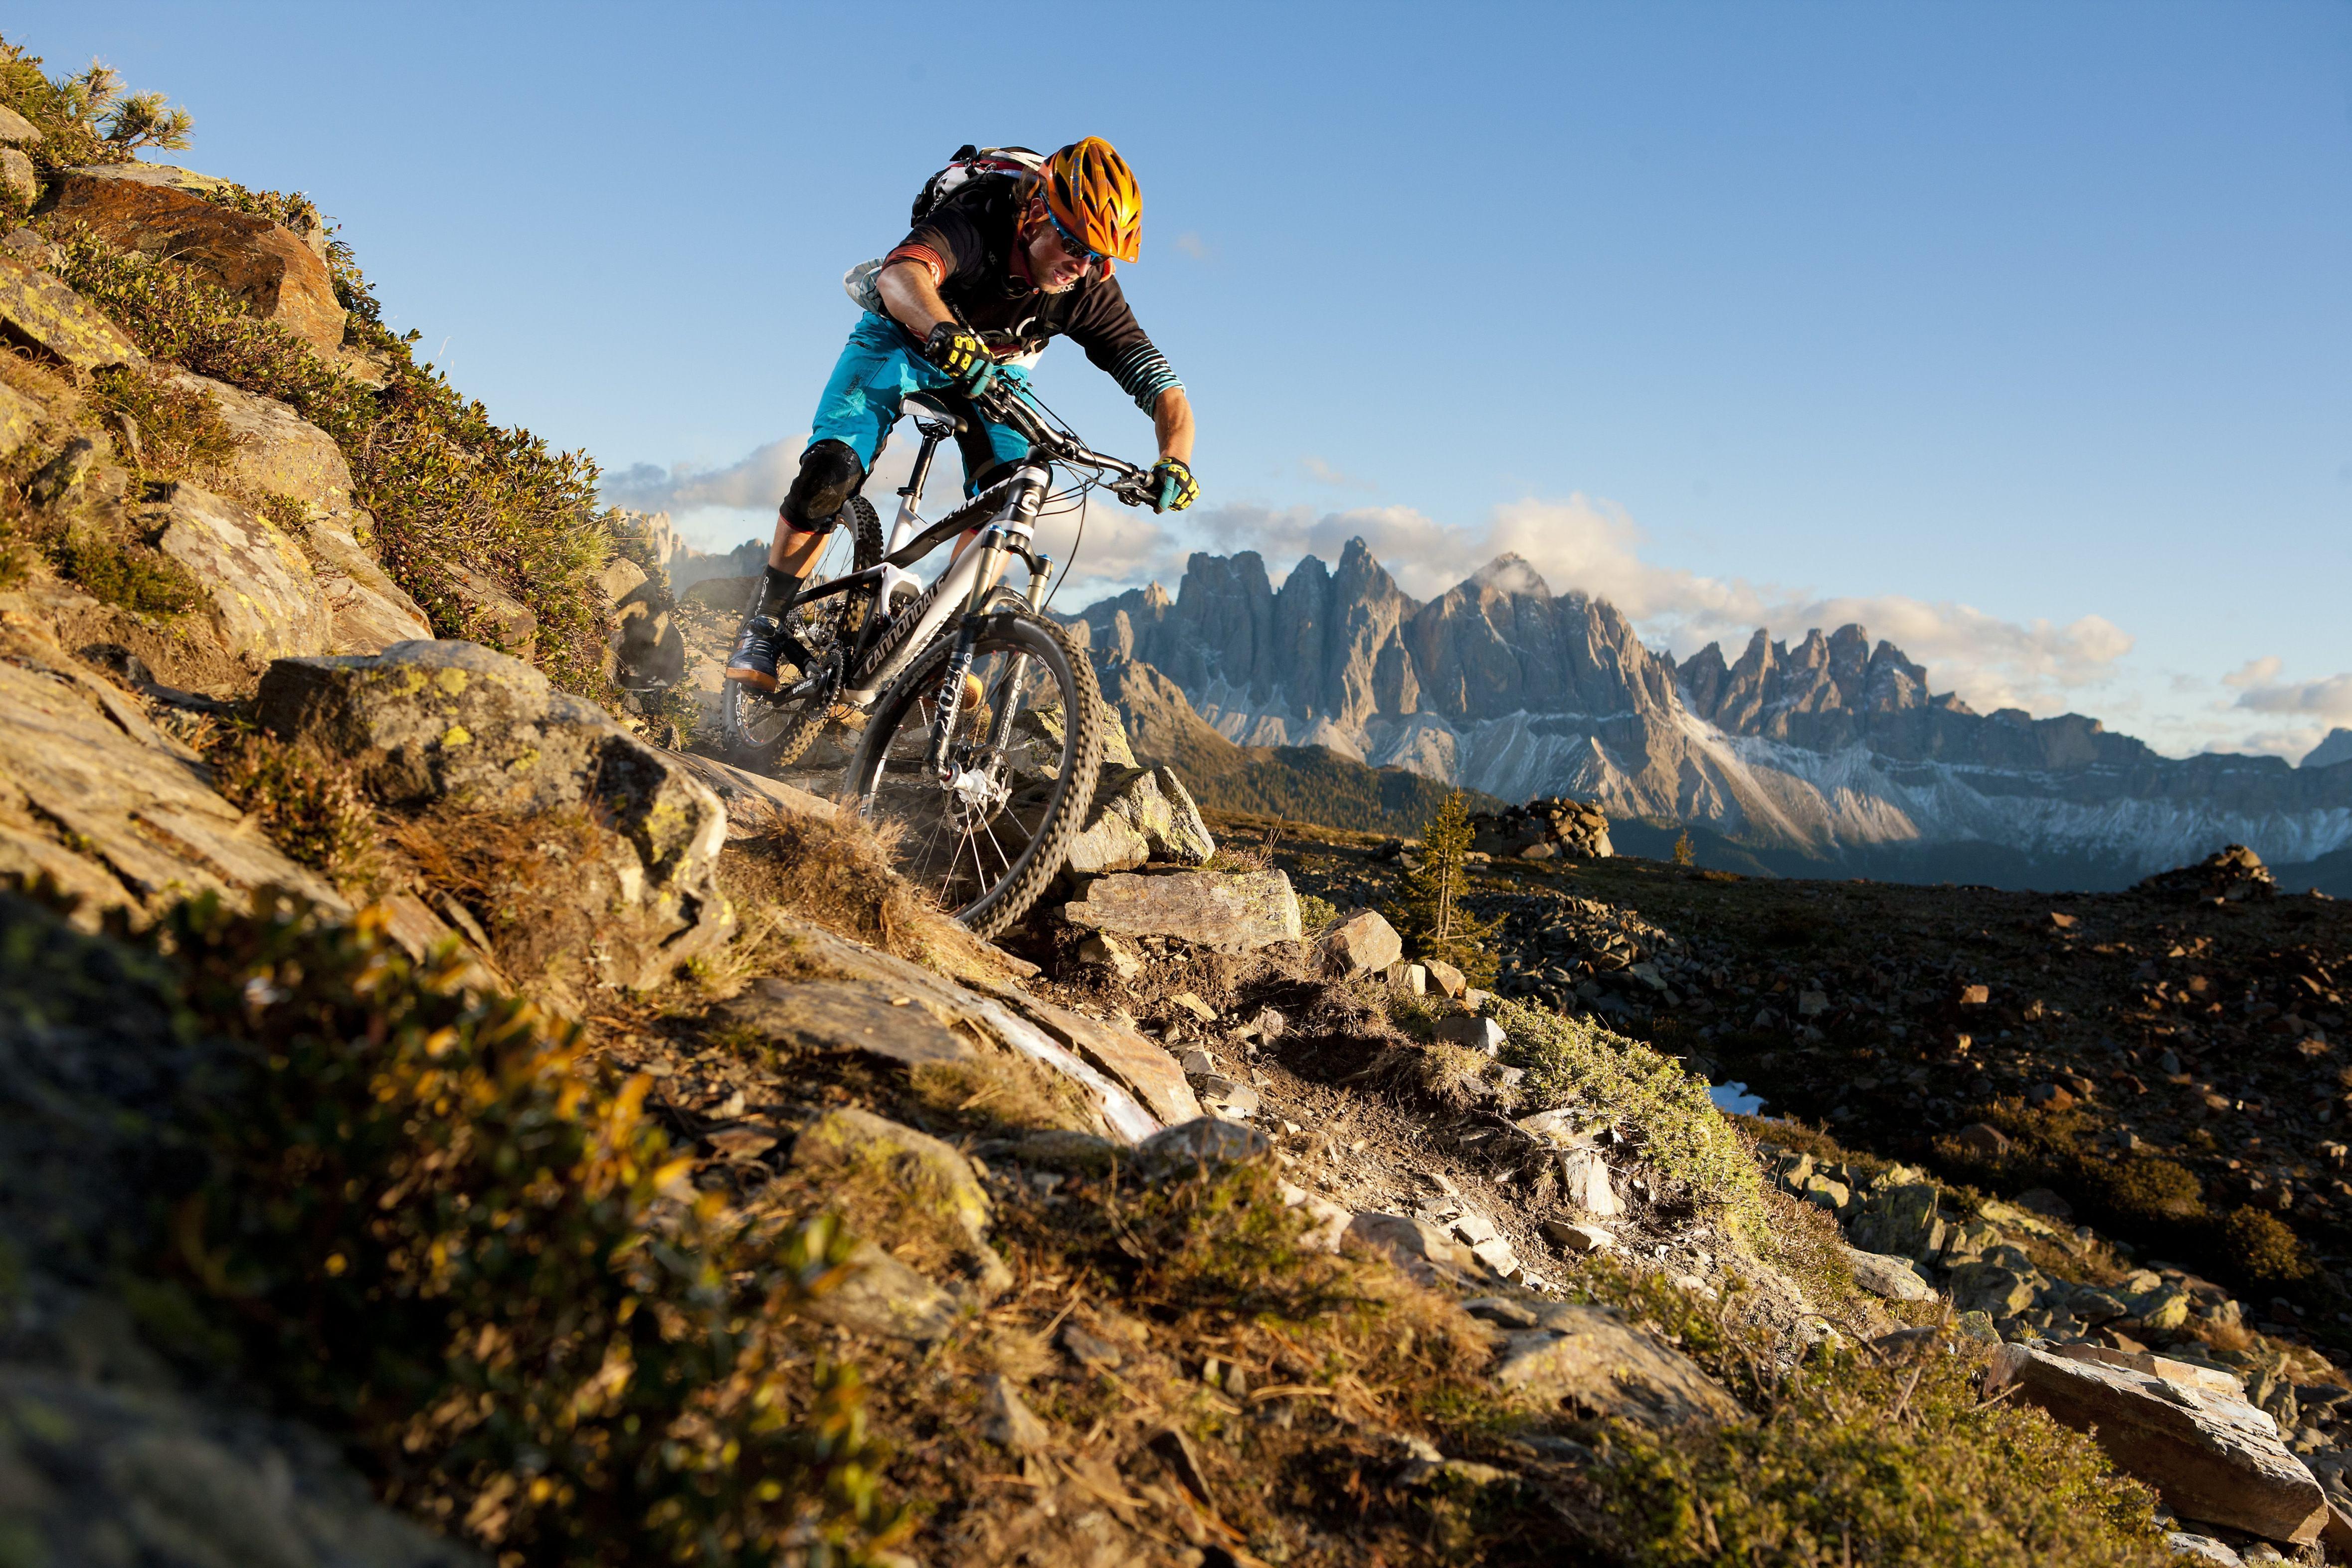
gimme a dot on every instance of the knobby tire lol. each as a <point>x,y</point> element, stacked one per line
<point>1071,797</point>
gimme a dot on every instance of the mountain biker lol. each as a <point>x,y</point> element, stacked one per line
<point>1000,265</point>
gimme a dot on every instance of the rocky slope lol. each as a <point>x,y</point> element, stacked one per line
<point>1830,754</point>
<point>442,1124</point>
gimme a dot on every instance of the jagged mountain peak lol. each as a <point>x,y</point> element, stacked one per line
<point>1828,745</point>
<point>2336,749</point>
<point>1509,573</point>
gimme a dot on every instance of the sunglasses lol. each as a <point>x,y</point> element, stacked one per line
<point>1070,243</point>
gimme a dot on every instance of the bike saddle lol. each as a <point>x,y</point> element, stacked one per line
<point>931,404</point>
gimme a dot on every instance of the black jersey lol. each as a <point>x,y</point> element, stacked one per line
<point>970,241</point>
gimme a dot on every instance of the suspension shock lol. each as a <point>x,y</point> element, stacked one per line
<point>947,705</point>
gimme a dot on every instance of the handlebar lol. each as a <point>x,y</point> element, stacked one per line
<point>1009,402</point>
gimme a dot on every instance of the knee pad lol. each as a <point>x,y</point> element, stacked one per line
<point>830,474</point>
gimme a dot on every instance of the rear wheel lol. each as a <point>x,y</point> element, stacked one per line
<point>767,730</point>
<point>1023,760</point>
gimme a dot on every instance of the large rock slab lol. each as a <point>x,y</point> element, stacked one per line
<point>40,313</point>
<point>20,418</point>
<point>1231,912</point>
<point>1140,814</point>
<point>1591,1358</point>
<point>149,209</point>
<point>1883,1275</point>
<point>454,721</point>
<point>264,601</point>
<point>1002,1017</point>
<point>882,1296</point>
<point>1902,1221</point>
<point>1991,1288</point>
<point>2210,1456</point>
<point>2212,1379</point>
<point>280,453</point>
<point>1358,942</point>
<point>1145,1069</point>
<point>1428,1252</point>
<point>116,813</point>
<point>876,1018</point>
<point>368,612</point>
<point>1204,1143</point>
<point>102,1470</point>
<point>488,613</point>
<point>932,1173</point>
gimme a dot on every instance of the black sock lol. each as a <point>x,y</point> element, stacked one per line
<point>777,591</point>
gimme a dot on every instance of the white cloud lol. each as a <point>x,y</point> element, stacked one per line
<point>758,481</point>
<point>1317,469</point>
<point>715,507</point>
<point>2293,743</point>
<point>2326,700</point>
<point>2258,672</point>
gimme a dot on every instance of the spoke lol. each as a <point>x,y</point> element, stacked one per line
<point>947,894</point>
<point>989,828</point>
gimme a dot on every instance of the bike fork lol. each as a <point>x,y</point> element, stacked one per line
<point>947,705</point>
<point>1000,728</point>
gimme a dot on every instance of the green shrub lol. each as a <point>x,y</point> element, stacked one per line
<point>1427,911</point>
<point>439,1231</point>
<point>89,117</point>
<point>310,804</point>
<point>1863,1463</point>
<point>2264,1245</point>
<point>1315,913</point>
<point>1853,1457</point>
<point>2147,1188</point>
<point>286,514</point>
<point>132,576</point>
<point>181,433</point>
<point>1649,1097</point>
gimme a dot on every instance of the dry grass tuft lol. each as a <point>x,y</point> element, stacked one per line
<point>1433,1073</point>
<point>181,434</point>
<point>520,877</point>
<point>836,872</point>
<point>997,1093</point>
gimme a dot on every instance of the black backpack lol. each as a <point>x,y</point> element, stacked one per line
<point>970,164</point>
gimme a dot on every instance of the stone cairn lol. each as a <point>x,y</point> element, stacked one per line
<point>2232,875</point>
<point>1547,827</point>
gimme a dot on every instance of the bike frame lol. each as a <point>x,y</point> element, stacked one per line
<point>962,587</point>
<point>1007,514</point>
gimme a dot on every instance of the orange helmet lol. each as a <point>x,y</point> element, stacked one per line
<point>1094,198</point>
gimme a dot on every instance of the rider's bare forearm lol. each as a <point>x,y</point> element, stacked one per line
<point>913,299</point>
<point>1172,422</point>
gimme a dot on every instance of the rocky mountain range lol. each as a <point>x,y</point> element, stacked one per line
<point>1830,755</point>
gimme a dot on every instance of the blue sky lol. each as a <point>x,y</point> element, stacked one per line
<point>2021,333</point>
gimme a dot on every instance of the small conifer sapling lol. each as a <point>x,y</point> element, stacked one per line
<point>1427,911</point>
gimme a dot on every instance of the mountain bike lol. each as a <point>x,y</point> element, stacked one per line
<point>980,725</point>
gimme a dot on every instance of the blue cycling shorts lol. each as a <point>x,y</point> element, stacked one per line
<point>878,367</point>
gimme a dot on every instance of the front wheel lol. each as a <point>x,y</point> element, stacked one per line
<point>984,822</point>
